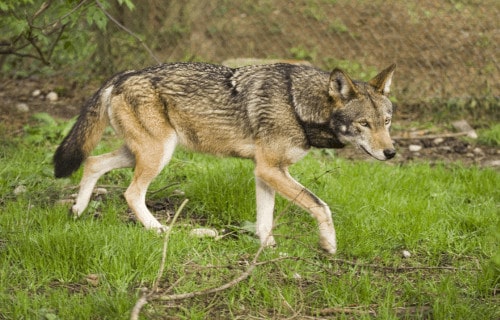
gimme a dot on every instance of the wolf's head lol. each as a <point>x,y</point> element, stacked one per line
<point>362,113</point>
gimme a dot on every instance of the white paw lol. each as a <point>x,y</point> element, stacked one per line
<point>268,241</point>
<point>328,244</point>
<point>76,210</point>
<point>160,229</point>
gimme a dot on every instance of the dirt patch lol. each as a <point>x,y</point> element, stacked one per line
<point>18,103</point>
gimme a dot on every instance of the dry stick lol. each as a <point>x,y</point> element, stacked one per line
<point>351,311</point>
<point>236,280</point>
<point>399,269</point>
<point>143,300</point>
<point>223,287</point>
<point>110,17</point>
<point>433,136</point>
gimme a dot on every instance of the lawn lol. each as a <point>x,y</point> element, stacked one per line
<point>415,241</point>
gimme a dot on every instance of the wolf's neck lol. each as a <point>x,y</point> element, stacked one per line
<point>321,135</point>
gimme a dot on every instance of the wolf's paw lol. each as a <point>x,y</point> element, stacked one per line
<point>328,244</point>
<point>161,229</point>
<point>268,242</point>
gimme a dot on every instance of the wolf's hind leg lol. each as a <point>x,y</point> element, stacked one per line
<point>150,160</point>
<point>265,196</point>
<point>94,168</point>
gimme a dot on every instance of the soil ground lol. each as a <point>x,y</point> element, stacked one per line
<point>18,104</point>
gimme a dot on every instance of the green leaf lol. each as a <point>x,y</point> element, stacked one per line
<point>130,5</point>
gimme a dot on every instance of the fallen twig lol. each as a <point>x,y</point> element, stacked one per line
<point>399,269</point>
<point>431,136</point>
<point>351,311</point>
<point>143,300</point>
<point>223,287</point>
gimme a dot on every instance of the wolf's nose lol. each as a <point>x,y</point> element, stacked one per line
<point>389,153</point>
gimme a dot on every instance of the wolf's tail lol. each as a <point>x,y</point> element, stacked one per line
<point>85,134</point>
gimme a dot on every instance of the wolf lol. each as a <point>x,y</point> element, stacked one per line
<point>272,114</point>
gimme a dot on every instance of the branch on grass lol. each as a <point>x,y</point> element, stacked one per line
<point>432,136</point>
<point>143,300</point>
<point>355,311</point>
<point>399,269</point>
<point>110,17</point>
<point>223,287</point>
<point>400,312</point>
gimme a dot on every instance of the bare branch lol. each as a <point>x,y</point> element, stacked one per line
<point>45,5</point>
<point>432,136</point>
<point>143,300</point>
<point>53,46</point>
<point>110,17</point>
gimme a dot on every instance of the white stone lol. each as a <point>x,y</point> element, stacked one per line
<point>22,107</point>
<point>20,189</point>
<point>478,151</point>
<point>414,147</point>
<point>100,191</point>
<point>52,96</point>
<point>204,233</point>
<point>406,254</point>
<point>438,141</point>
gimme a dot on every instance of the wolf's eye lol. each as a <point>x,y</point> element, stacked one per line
<point>387,121</point>
<point>364,124</point>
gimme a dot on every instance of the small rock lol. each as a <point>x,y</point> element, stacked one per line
<point>406,254</point>
<point>414,147</point>
<point>36,93</point>
<point>52,96</point>
<point>478,151</point>
<point>22,107</point>
<point>492,163</point>
<point>100,191</point>
<point>204,233</point>
<point>464,126</point>
<point>20,190</point>
<point>438,141</point>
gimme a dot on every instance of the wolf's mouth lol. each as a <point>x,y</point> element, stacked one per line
<point>369,153</point>
<point>364,149</point>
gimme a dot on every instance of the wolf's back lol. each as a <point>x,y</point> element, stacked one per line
<point>83,137</point>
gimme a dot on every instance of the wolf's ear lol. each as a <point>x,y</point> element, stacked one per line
<point>341,86</point>
<point>382,81</point>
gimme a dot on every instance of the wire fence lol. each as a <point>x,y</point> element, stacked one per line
<point>445,49</point>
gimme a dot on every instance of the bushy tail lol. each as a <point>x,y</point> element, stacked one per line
<point>84,135</point>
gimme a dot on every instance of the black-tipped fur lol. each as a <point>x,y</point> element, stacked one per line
<point>71,152</point>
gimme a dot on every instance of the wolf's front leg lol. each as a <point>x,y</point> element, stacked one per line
<point>281,181</point>
<point>327,236</point>
<point>265,207</point>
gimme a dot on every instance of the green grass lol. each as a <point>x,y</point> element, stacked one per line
<point>490,136</point>
<point>446,216</point>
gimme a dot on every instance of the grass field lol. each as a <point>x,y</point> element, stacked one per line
<point>55,267</point>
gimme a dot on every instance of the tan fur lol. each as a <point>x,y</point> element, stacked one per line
<point>272,114</point>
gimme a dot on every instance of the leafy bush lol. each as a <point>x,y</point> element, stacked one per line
<point>35,34</point>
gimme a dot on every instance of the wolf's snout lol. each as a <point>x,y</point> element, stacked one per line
<point>389,153</point>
